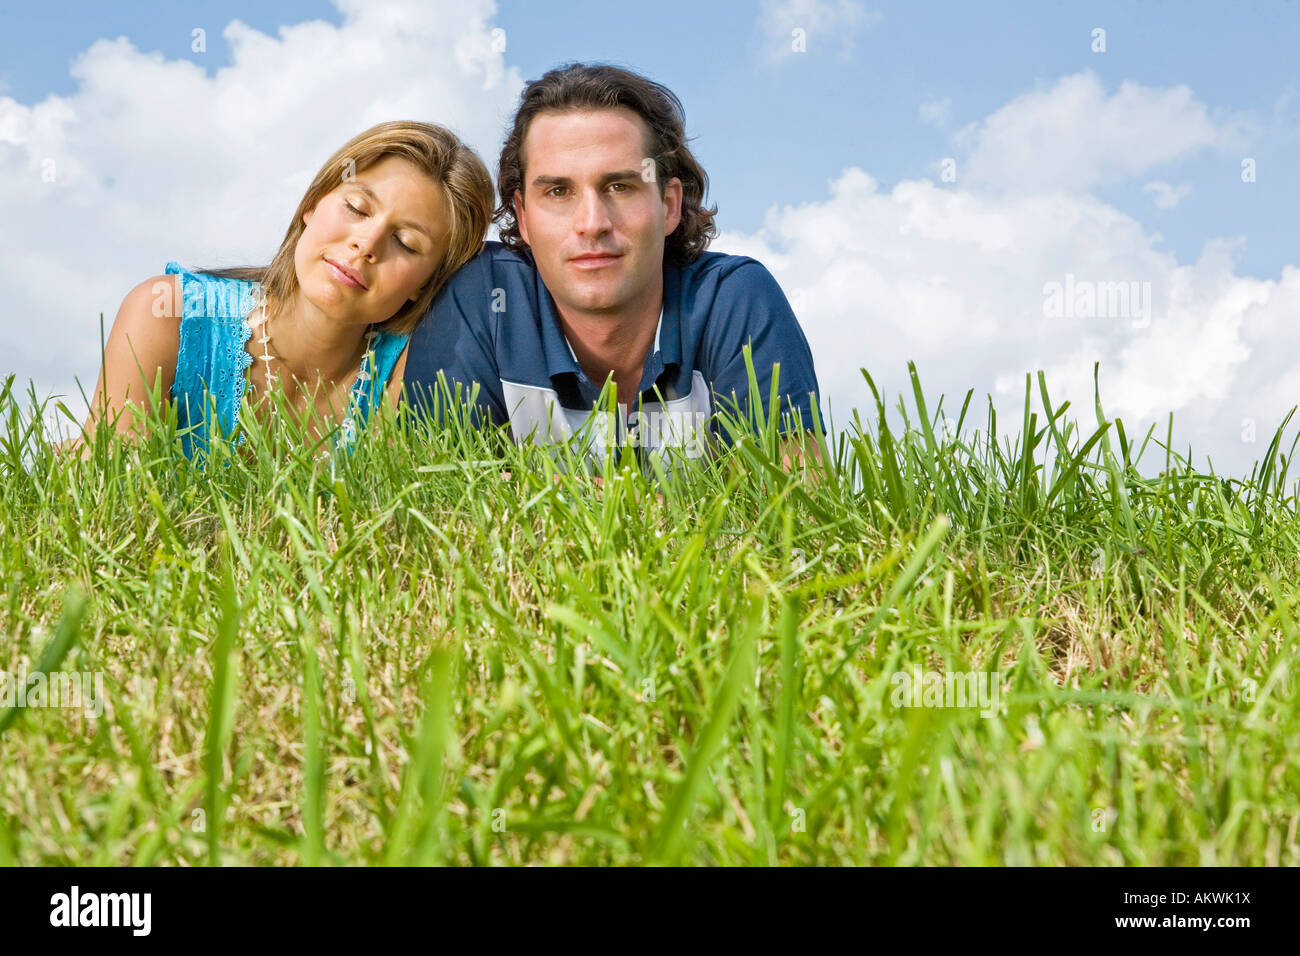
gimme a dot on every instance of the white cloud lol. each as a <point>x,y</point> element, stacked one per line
<point>811,26</point>
<point>955,279</point>
<point>1074,136</point>
<point>936,112</point>
<point>1286,110</point>
<point>1166,196</point>
<point>153,159</point>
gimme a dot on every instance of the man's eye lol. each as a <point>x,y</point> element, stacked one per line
<point>621,187</point>
<point>554,190</point>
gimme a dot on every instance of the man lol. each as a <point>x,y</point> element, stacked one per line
<point>601,276</point>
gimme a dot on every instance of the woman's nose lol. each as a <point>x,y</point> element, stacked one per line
<point>364,238</point>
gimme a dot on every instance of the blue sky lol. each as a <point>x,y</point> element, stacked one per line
<point>825,164</point>
<point>795,125</point>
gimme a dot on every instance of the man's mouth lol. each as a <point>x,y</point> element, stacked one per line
<point>594,260</point>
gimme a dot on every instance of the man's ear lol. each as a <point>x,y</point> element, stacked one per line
<point>673,204</point>
<point>519,215</point>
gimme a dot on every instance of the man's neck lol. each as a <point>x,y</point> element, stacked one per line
<point>614,343</point>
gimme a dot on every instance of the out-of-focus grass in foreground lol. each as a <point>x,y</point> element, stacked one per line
<point>447,649</point>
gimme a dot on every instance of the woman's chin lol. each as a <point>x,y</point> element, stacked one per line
<point>335,302</point>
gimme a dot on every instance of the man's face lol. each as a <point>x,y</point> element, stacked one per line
<point>594,222</point>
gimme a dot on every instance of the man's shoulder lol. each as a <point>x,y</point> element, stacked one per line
<point>480,288</point>
<point>499,252</point>
<point>716,284</point>
<point>719,265</point>
<point>496,258</point>
<point>727,276</point>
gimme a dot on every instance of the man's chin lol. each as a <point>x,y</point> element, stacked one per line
<point>600,299</point>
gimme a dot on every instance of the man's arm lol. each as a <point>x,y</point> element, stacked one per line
<point>455,337</point>
<point>751,309</point>
<point>798,451</point>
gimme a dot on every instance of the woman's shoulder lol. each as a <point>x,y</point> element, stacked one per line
<point>157,296</point>
<point>203,295</point>
<point>387,348</point>
<point>213,332</point>
<point>389,341</point>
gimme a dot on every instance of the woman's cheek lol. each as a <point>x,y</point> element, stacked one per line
<point>411,279</point>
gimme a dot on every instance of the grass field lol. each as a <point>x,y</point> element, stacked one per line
<point>449,651</point>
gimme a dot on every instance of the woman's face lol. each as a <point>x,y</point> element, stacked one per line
<point>372,242</point>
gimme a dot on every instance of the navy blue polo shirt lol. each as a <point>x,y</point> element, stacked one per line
<point>495,324</point>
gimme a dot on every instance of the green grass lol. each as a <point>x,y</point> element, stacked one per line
<point>446,649</point>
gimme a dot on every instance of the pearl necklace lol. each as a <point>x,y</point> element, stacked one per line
<point>262,324</point>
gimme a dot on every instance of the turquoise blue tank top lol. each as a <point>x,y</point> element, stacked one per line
<point>211,364</point>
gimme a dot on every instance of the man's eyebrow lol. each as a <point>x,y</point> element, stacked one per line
<point>410,224</point>
<point>552,181</point>
<point>604,180</point>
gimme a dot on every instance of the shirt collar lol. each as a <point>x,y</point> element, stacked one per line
<point>556,350</point>
<point>658,332</point>
<point>560,358</point>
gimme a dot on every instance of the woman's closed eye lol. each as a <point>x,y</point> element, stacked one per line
<point>357,212</point>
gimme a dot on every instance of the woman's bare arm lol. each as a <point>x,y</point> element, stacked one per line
<point>140,350</point>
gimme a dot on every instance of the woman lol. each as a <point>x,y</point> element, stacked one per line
<point>385,222</point>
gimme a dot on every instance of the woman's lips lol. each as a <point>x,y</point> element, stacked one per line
<point>342,276</point>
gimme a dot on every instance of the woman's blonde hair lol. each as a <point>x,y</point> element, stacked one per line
<point>434,151</point>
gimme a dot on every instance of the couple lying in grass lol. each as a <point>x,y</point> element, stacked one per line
<point>384,290</point>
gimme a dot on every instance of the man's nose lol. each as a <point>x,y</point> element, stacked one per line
<point>591,216</point>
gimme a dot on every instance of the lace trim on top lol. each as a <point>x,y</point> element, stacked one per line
<point>213,360</point>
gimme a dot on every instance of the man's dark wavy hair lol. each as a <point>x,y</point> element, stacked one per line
<point>579,86</point>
